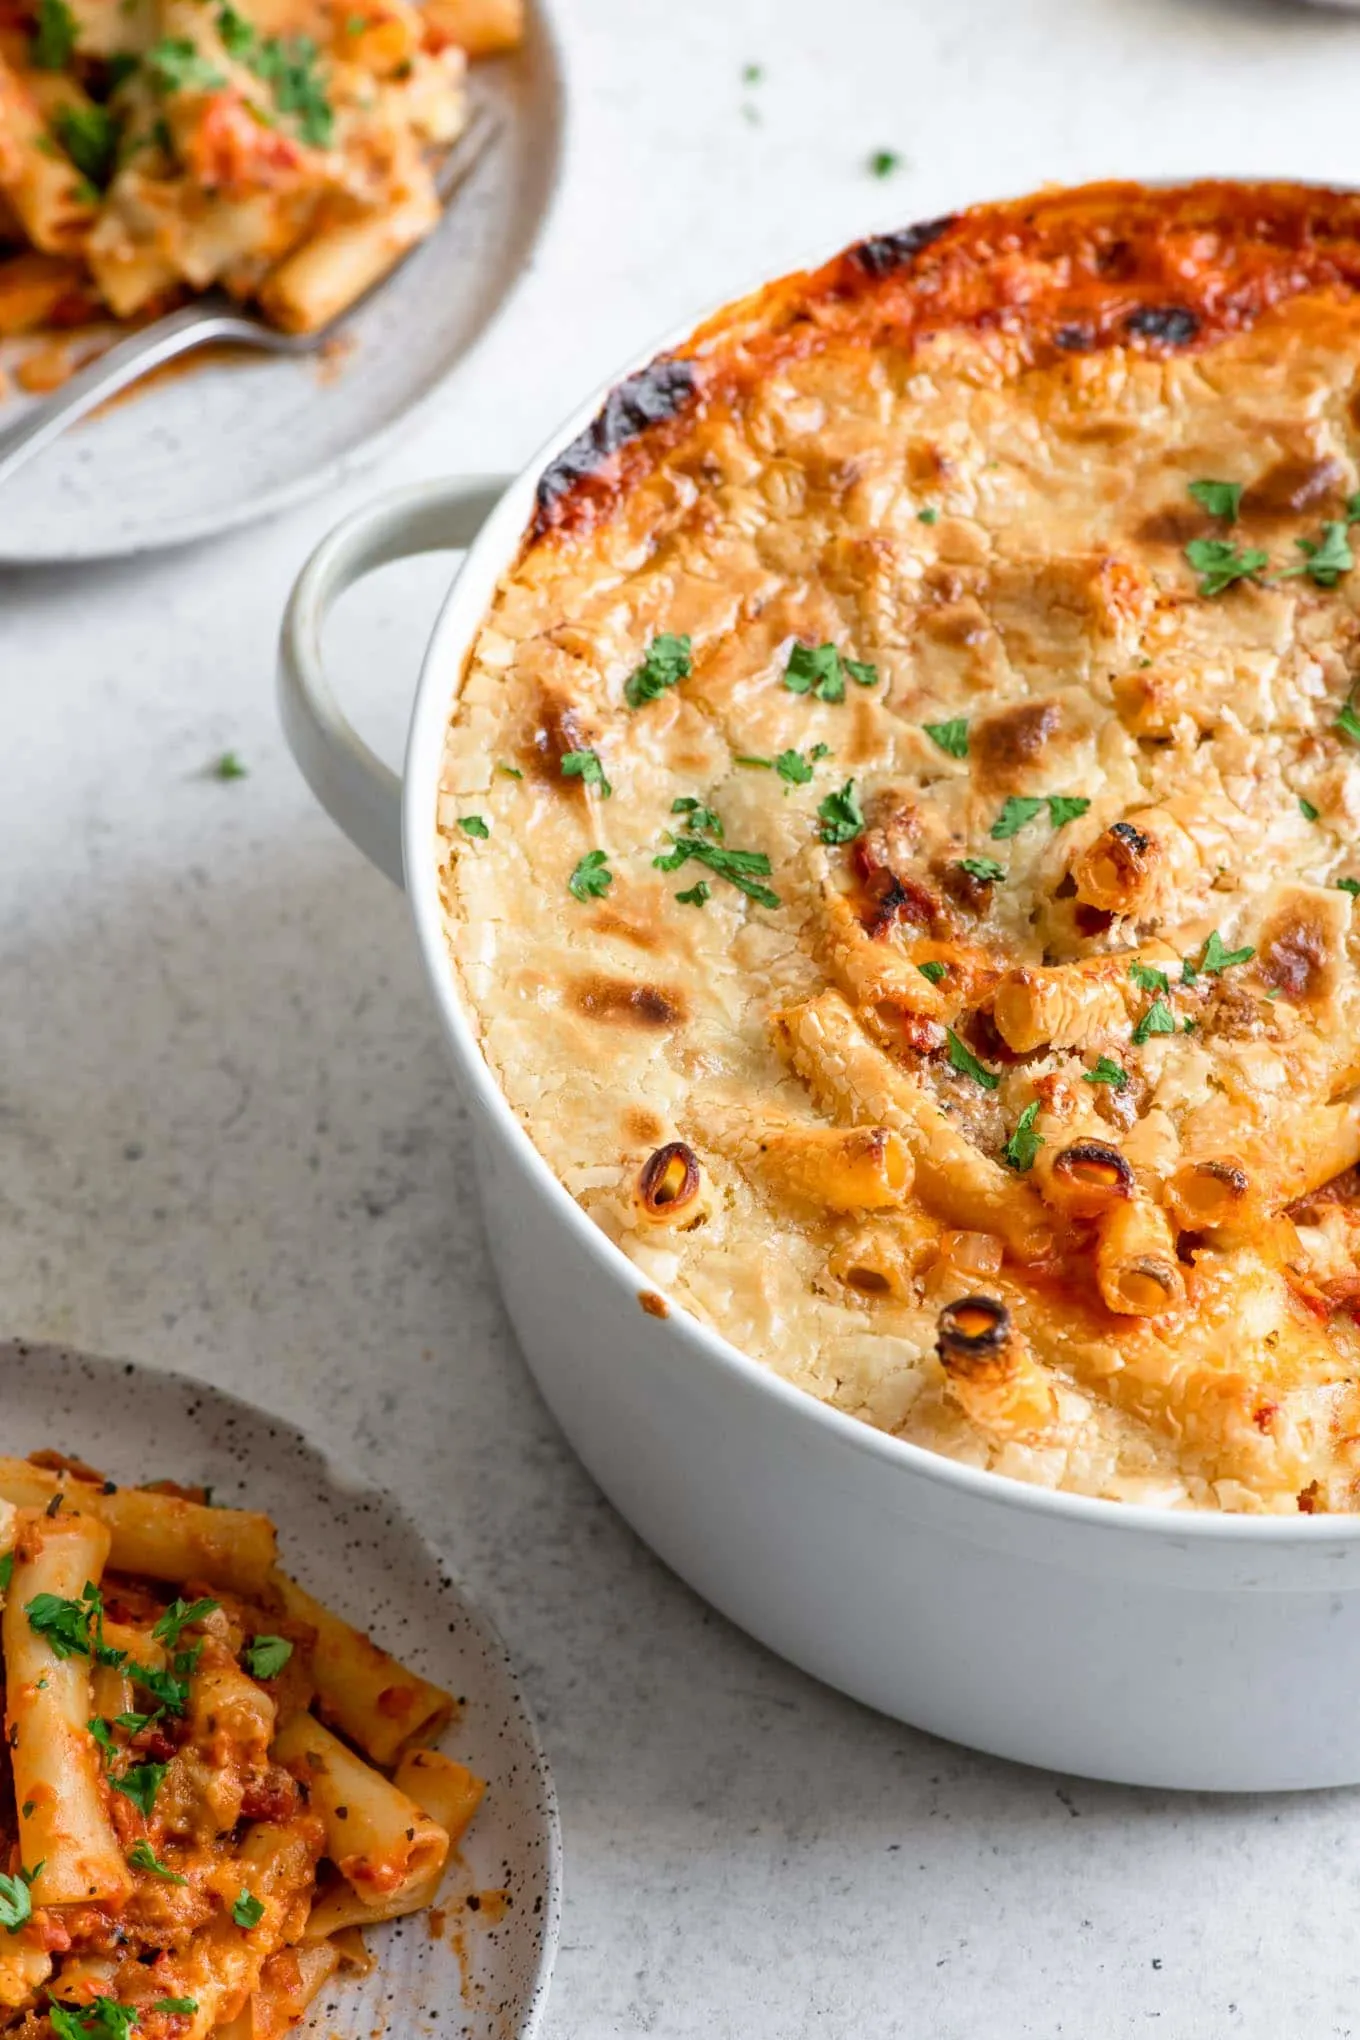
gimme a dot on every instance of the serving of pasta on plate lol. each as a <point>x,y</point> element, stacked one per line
<point>283,151</point>
<point>212,1783</point>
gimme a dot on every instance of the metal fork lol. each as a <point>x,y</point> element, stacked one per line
<point>213,318</point>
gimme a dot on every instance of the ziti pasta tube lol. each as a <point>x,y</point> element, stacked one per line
<point>159,1534</point>
<point>380,1840</point>
<point>67,1842</point>
<point>371,1698</point>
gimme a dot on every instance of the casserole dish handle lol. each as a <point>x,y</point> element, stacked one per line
<point>358,790</point>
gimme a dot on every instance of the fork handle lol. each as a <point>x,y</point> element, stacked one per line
<point>109,373</point>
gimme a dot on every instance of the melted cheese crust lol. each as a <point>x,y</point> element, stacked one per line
<point>961,456</point>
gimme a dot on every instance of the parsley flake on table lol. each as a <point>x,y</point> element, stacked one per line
<point>883,162</point>
<point>952,737</point>
<point>474,825</point>
<point>178,1617</point>
<point>54,43</point>
<point>1220,499</point>
<point>1307,810</point>
<point>985,869</point>
<point>1024,1143</point>
<point>1325,559</point>
<point>247,1911</point>
<point>841,816</point>
<point>227,767</point>
<point>1158,1019</point>
<point>141,1784</point>
<point>267,1656</point>
<point>669,659</point>
<point>933,971</point>
<point>742,868</point>
<point>962,1059</point>
<point>592,877</point>
<point>752,74</point>
<point>1106,1072</point>
<point>143,1857</point>
<point>16,1902</point>
<point>1149,979</point>
<point>586,766</point>
<point>697,895</point>
<point>1219,563</point>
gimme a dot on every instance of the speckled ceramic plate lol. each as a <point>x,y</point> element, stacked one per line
<point>222,445</point>
<point>486,1976</point>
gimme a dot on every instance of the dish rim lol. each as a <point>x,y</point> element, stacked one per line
<point>342,1475</point>
<point>447,652</point>
<point>372,447</point>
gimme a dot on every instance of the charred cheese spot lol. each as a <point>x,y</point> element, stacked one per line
<point>559,726</point>
<point>639,1124</point>
<point>1006,746</point>
<point>1294,485</point>
<point>623,1002</point>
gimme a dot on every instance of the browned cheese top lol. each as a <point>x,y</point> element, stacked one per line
<point>982,1056</point>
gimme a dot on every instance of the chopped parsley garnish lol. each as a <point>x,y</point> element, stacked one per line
<point>140,1785</point>
<point>1348,722</point>
<point>247,1911</point>
<point>105,2019</point>
<point>841,816</point>
<point>186,2006</point>
<point>751,74</point>
<point>592,877</point>
<point>54,42</point>
<point>1326,559</point>
<point>1350,885</point>
<point>1216,958</point>
<point>170,1687</point>
<point>741,868</point>
<point>474,825</point>
<point>748,758</point>
<point>103,1735</point>
<point>928,516</point>
<point>510,771</point>
<point>121,66</point>
<point>143,1857</point>
<point>1219,563</point>
<point>73,1628</point>
<point>1021,808</point>
<point>1149,979</point>
<point>1307,810</point>
<point>962,1059</point>
<point>586,766</point>
<point>861,672</point>
<point>1024,1144</point>
<point>934,972</point>
<point>883,162</point>
<point>178,1617</point>
<point>287,64</point>
<point>702,819</point>
<point>267,1656</point>
<point>697,895</point>
<point>16,1903</point>
<point>1220,499</point>
<point>985,869</point>
<point>815,669</point>
<point>793,768</point>
<point>174,65</point>
<point>6,1571</point>
<point>1158,1019</point>
<point>669,659</point>
<point>89,135</point>
<point>952,737</point>
<point>1106,1072</point>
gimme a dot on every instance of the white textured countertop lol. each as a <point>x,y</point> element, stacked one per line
<point>228,1142</point>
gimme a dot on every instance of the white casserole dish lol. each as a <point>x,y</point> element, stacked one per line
<point>1211,1651</point>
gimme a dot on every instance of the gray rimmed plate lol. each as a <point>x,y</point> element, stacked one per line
<point>227,442</point>
<point>486,1975</point>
